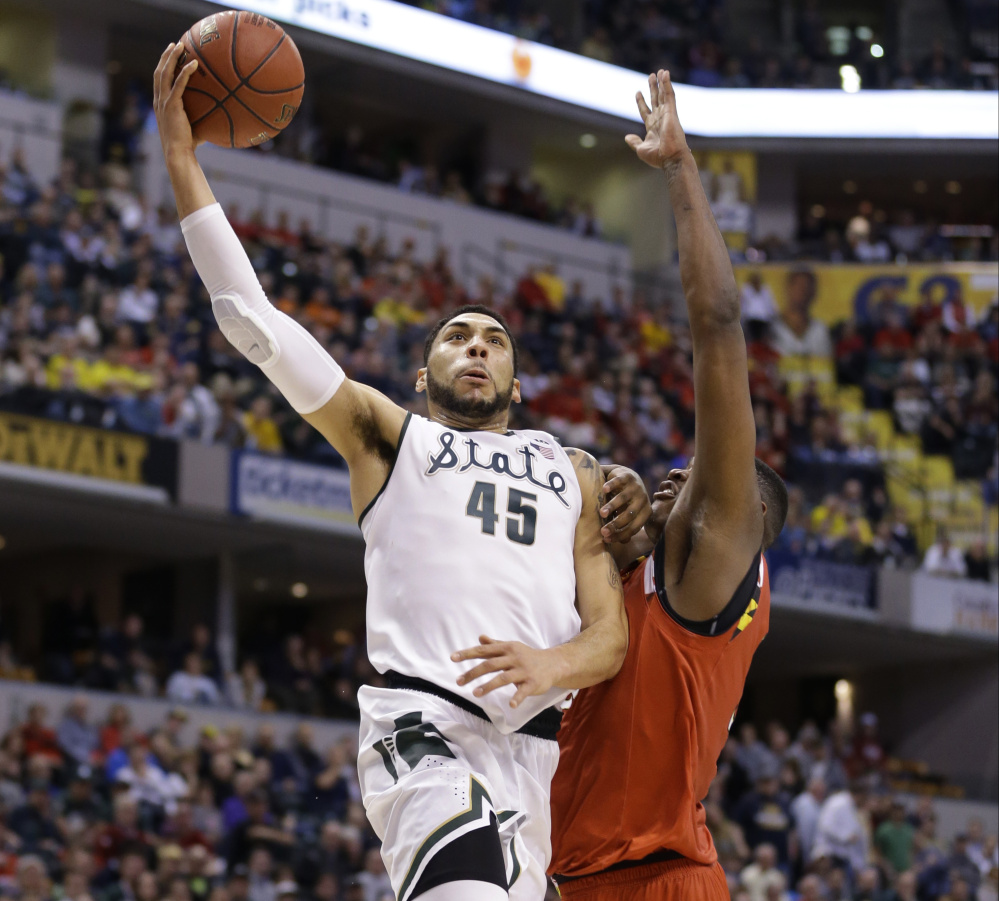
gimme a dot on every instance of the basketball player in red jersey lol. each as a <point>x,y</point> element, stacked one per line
<point>639,752</point>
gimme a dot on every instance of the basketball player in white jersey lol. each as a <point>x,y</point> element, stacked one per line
<point>474,534</point>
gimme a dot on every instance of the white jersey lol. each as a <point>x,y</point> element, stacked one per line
<point>471,535</point>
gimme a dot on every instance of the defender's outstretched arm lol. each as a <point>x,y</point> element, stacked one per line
<point>719,509</point>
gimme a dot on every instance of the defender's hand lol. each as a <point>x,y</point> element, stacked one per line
<point>627,509</point>
<point>168,104</point>
<point>533,672</point>
<point>664,138</point>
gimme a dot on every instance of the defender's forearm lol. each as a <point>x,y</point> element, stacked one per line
<point>705,267</point>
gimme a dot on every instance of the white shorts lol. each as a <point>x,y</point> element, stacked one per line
<point>431,772</point>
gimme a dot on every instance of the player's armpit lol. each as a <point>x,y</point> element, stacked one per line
<point>365,428</point>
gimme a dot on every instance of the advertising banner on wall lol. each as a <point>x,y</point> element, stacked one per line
<point>844,290</point>
<point>837,589</point>
<point>720,112</point>
<point>286,491</point>
<point>80,453</point>
<point>955,606</point>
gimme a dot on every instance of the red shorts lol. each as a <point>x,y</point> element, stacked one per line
<point>673,880</point>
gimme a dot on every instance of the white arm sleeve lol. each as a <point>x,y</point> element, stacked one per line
<point>285,352</point>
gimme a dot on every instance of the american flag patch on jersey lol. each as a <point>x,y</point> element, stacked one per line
<point>543,448</point>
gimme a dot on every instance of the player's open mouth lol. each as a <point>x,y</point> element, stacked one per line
<point>476,375</point>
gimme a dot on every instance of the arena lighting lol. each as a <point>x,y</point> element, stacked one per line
<point>844,700</point>
<point>877,51</point>
<point>299,590</point>
<point>588,141</point>
<point>603,88</point>
<point>850,79</point>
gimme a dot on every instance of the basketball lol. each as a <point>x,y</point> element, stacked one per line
<point>249,81</point>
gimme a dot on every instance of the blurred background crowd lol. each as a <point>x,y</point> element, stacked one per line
<point>98,810</point>
<point>700,44</point>
<point>104,322</point>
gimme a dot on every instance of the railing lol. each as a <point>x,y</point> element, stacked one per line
<point>379,216</point>
<point>337,204</point>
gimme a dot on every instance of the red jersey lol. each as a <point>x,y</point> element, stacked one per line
<point>639,752</point>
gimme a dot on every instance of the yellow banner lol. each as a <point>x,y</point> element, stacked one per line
<point>845,290</point>
<point>70,448</point>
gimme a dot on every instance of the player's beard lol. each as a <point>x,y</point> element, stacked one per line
<point>473,409</point>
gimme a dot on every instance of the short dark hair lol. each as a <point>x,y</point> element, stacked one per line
<point>774,494</point>
<point>471,308</point>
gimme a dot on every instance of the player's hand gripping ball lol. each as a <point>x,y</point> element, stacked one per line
<point>249,81</point>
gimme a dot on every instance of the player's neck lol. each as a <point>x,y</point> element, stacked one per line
<point>500,422</point>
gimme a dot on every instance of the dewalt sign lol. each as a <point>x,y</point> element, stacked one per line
<point>81,451</point>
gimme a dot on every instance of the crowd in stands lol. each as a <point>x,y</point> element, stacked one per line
<point>104,322</point>
<point>876,235</point>
<point>694,40</point>
<point>293,673</point>
<point>98,810</point>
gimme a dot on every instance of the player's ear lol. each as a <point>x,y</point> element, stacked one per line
<point>421,380</point>
<point>516,391</point>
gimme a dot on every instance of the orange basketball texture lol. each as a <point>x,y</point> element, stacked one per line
<point>249,81</point>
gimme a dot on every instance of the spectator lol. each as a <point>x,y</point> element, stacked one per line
<point>867,756</point>
<point>976,563</point>
<point>805,810</point>
<point>246,689</point>
<point>868,885</point>
<point>261,431</point>
<point>34,825</point>
<point>138,302</point>
<point>373,877</point>
<point>82,807</point>
<point>894,838</point>
<point>190,686</point>
<point>33,883</point>
<point>762,874</point>
<point>906,885</point>
<point>290,680</point>
<point>796,332</point>
<point>77,738</point>
<point>261,870</point>
<point>840,835</point>
<point>733,852</point>
<point>962,866</point>
<point>759,308</point>
<point>40,740</point>
<point>201,643</point>
<point>155,791</point>
<point>765,815</point>
<point>943,559</point>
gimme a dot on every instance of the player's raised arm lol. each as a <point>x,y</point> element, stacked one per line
<point>719,508</point>
<point>363,425</point>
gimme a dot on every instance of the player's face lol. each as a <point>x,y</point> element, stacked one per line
<point>470,370</point>
<point>664,500</point>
